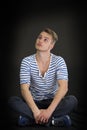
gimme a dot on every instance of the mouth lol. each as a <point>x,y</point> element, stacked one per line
<point>39,44</point>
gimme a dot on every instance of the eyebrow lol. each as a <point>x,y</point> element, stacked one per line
<point>44,36</point>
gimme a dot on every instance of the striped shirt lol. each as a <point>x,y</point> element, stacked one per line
<point>43,87</point>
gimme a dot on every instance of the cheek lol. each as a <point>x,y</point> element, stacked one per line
<point>52,46</point>
<point>36,42</point>
<point>49,47</point>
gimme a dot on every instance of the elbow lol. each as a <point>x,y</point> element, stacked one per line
<point>22,92</point>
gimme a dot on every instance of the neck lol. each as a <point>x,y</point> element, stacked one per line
<point>43,56</point>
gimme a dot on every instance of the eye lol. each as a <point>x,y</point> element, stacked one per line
<point>45,40</point>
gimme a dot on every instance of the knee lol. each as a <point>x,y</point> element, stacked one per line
<point>74,101</point>
<point>11,100</point>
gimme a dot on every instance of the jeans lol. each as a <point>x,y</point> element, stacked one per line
<point>66,106</point>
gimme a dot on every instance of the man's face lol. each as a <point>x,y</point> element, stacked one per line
<point>44,42</point>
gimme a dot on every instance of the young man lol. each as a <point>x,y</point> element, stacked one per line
<point>43,86</point>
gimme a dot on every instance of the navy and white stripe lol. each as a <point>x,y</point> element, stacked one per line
<point>43,87</point>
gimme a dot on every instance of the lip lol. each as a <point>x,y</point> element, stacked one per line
<point>39,44</point>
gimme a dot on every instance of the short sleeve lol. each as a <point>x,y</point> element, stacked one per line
<point>62,72</point>
<point>25,71</point>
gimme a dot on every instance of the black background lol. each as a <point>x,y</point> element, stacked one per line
<point>21,23</point>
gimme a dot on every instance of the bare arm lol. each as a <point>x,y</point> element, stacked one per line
<point>26,94</point>
<point>63,88</point>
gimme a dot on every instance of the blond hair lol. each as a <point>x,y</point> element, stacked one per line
<point>52,33</point>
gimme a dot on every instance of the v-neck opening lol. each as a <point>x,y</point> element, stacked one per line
<point>43,76</point>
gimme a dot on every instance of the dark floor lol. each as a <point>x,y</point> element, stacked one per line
<point>9,120</point>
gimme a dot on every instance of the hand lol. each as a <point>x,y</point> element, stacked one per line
<point>36,114</point>
<point>43,117</point>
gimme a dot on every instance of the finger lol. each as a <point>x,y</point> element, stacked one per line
<point>44,121</point>
<point>37,121</point>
